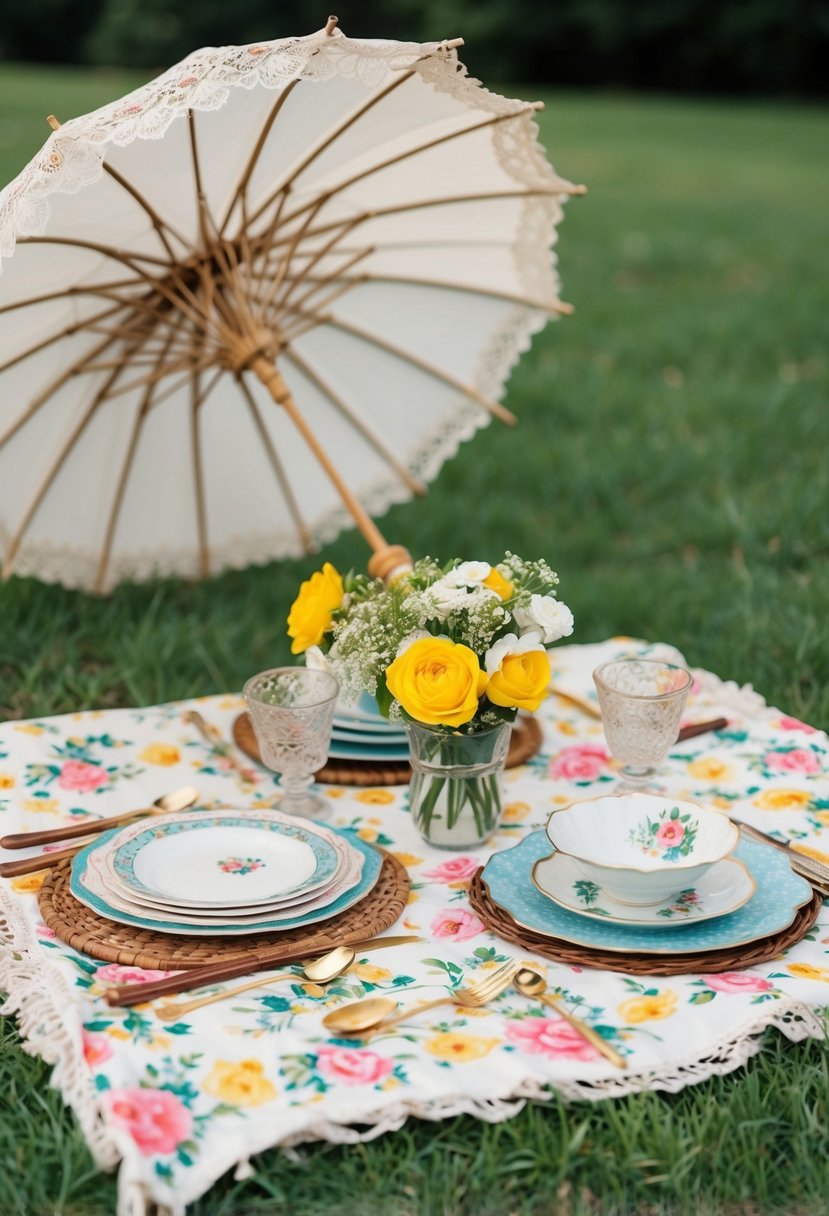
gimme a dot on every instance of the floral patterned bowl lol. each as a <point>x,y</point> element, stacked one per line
<point>642,848</point>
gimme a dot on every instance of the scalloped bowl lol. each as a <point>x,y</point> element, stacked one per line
<point>642,848</point>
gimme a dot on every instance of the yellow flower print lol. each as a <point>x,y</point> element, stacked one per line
<point>375,797</point>
<point>413,897</point>
<point>710,768</point>
<point>408,859</point>
<point>808,852</point>
<point>566,728</point>
<point>158,1041</point>
<point>514,812</point>
<point>334,792</point>
<point>242,1083</point>
<point>822,817</point>
<point>29,728</point>
<point>460,1047</point>
<point>313,989</point>
<point>649,1008</point>
<point>391,1083</point>
<point>29,883</point>
<point>369,973</point>
<point>232,703</point>
<point>164,754</point>
<point>805,971</point>
<point>118,1032</point>
<point>368,834</point>
<point>6,781</point>
<point>43,806</point>
<point>783,800</point>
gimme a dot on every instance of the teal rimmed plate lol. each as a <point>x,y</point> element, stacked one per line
<point>97,899</point>
<point>772,908</point>
<point>220,860</point>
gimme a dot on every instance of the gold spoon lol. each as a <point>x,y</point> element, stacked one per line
<point>177,800</point>
<point>320,971</point>
<point>362,1017</point>
<point>530,983</point>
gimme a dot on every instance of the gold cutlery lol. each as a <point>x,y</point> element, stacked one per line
<point>361,1019</point>
<point>212,735</point>
<point>178,800</point>
<point>530,983</point>
<point>814,871</point>
<point>319,971</point>
<point>217,973</point>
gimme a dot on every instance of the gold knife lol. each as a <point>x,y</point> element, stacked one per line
<point>802,862</point>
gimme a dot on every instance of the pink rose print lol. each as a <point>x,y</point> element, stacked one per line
<point>44,931</point>
<point>550,1037</point>
<point>788,723</point>
<point>83,777</point>
<point>457,924</point>
<point>96,1048</point>
<point>798,760</point>
<point>352,1067</point>
<point>737,981</point>
<point>115,973</point>
<point>155,1118</point>
<point>670,833</point>
<point>582,762</point>
<point>456,870</point>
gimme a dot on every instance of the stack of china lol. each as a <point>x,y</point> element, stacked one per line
<point>625,868</point>
<point>361,733</point>
<point>224,872</point>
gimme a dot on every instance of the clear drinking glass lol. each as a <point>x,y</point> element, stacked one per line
<point>292,710</point>
<point>641,702</point>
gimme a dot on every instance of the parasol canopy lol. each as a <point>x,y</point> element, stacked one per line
<point>259,298</point>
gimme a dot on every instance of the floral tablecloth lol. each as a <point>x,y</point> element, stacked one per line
<point>178,1104</point>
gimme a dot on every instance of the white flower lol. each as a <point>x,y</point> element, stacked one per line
<point>547,614</point>
<point>469,574</point>
<point>449,596</point>
<point>316,660</point>
<point>410,640</point>
<point>511,644</point>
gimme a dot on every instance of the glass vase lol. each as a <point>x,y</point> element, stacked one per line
<point>456,792</point>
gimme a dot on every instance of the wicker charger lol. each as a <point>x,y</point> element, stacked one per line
<point>91,934</point>
<point>735,958</point>
<point>525,741</point>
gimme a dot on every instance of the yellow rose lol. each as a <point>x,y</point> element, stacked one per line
<point>500,585</point>
<point>460,1047</point>
<point>709,768</point>
<point>520,680</point>
<point>241,1083</point>
<point>783,800</point>
<point>30,882</point>
<point>311,612</point>
<point>437,682</point>
<point>6,781</point>
<point>164,754</point>
<point>649,1008</point>
<point>805,971</point>
<point>375,797</point>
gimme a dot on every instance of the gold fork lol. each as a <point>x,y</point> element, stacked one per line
<point>364,1018</point>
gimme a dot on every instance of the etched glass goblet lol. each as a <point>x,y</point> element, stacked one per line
<point>641,702</point>
<point>292,710</point>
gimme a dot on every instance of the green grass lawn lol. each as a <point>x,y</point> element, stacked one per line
<point>671,463</point>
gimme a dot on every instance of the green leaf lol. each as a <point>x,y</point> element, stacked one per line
<point>702,998</point>
<point>102,1083</point>
<point>177,1028</point>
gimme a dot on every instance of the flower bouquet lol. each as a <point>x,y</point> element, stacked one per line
<point>453,652</point>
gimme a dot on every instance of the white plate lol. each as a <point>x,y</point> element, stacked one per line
<point>367,726</point>
<point>98,880</point>
<point>216,859</point>
<point>724,888</point>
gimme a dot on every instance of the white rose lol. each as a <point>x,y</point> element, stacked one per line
<point>316,660</point>
<point>410,640</point>
<point>511,644</point>
<point>547,614</point>
<point>448,595</point>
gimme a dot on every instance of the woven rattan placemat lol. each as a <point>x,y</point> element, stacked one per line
<point>92,934</point>
<point>525,742</point>
<point>499,921</point>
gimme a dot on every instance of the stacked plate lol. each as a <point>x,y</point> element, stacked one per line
<point>361,733</point>
<point>223,872</point>
<point>747,896</point>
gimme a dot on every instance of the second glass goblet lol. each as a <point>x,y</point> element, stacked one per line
<point>642,702</point>
<point>292,710</point>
